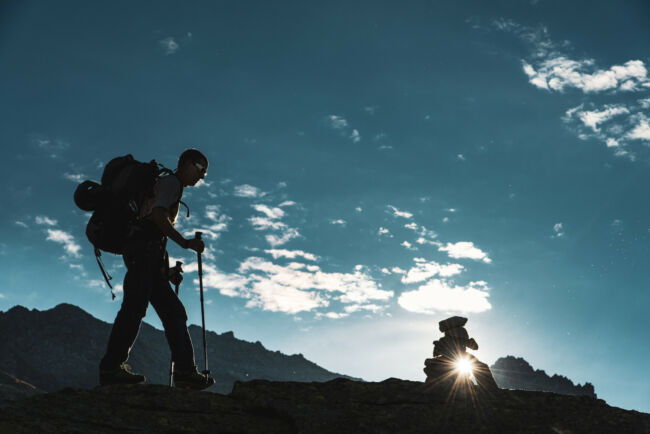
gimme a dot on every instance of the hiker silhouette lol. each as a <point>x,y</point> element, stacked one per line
<point>148,278</point>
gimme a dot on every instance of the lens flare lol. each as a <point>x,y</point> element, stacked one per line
<point>464,366</point>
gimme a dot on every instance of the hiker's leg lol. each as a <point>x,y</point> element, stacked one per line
<point>137,291</point>
<point>174,320</point>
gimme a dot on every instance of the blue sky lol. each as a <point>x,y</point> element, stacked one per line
<point>374,169</point>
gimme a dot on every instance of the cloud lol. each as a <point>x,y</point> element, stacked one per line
<point>441,296</point>
<point>423,270</point>
<point>398,270</point>
<point>408,245</point>
<point>68,241</point>
<point>169,45</point>
<point>558,228</point>
<point>339,222</point>
<point>287,203</point>
<point>383,231</point>
<point>272,213</point>
<point>358,209</point>
<point>218,223</point>
<point>551,67</point>
<point>641,131</point>
<point>246,190</point>
<point>21,224</point>
<point>412,226</point>
<point>465,249</point>
<point>75,177</point>
<point>398,213</point>
<point>54,147</point>
<point>337,122</point>
<point>289,234</point>
<point>44,220</point>
<point>294,287</point>
<point>290,254</point>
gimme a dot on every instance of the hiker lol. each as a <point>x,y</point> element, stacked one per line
<point>148,278</point>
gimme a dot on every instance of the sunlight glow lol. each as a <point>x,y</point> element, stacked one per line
<point>464,366</point>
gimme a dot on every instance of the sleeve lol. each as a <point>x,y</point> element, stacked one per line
<point>167,192</point>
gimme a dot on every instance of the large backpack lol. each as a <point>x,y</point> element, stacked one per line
<point>118,204</point>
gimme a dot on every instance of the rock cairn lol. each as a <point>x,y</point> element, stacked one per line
<point>448,350</point>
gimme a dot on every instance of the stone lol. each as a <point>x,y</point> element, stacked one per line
<point>450,323</point>
<point>457,332</point>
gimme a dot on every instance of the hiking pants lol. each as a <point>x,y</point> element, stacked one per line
<point>146,282</point>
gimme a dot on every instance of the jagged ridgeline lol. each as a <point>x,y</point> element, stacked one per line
<point>516,373</point>
<point>61,347</point>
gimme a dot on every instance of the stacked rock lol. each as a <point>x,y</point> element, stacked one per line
<point>451,348</point>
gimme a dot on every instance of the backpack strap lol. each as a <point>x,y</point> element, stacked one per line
<point>107,277</point>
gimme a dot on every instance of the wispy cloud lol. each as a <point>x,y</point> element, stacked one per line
<point>408,245</point>
<point>285,237</point>
<point>246,190</point>
<point>551,67</point>
<point>423,270</point>
<point>52,146</point>
<point>65,238</point>
<point>21,224</point>
<point>397,213</point>
<point>45,221</point>
<point>441,296</point>
<point>290,254</point>
<point>294,287</point>
<point>75,177</point>
<point>169,45</point>
<point>558,230</point>
<point>339,222</point>
<point>465,249</point>
<point>341,124</point>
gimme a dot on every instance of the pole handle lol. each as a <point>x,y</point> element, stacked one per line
<point>198,235</point>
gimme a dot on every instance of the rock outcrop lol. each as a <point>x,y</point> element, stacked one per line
<point>340,406</point>
<point>516,373</point>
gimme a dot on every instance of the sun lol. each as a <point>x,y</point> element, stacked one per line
<point>464,366</point>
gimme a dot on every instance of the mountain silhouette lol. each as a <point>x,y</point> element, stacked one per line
<point>516,373</point>
<point>61,347</point>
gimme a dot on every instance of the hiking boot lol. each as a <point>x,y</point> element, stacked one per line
<point>192,379</point>
<point>119,375</point>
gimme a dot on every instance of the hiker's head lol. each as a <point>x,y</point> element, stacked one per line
<point>192,166</point>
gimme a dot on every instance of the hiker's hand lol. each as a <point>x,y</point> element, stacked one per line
<point>196,245</point>
<point>175,277</point>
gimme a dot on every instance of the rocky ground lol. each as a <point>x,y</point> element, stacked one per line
<point>341,406</point>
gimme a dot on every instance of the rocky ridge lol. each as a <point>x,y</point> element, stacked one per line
<point>342,406</point>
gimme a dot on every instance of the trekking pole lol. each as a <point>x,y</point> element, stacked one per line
<point>171,362</point>
<point>206,371</point>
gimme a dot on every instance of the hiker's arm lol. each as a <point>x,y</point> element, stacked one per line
<point>160,217</point>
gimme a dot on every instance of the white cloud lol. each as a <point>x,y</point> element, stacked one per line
<point>272,213</point>
<point>339,222</point>
<point>358,209</point>
<point>439,296</point>
<point>355,136</point>
<point>592,119</point>
<point>52,146</point>
<point>398,270</point>
<point>2,296</point>
<point>21,224</point>
<point>423,270</point>
<point>68,241</point>
<point>287,203</point>
<point>641,131</point>
<point>264,223</point>
<point>44,220</point>
<point>383,231</point>
<point>337,122</point>
<point>465,249</point>
<point>75,177</point>
<point>385,270</point>
<point>461,157</point>
<point>290,254</point>
<point>169,45</point>
<point>398,213</point>
<point>412,226</point>
<point>289,234</point>
<point>408,245</point>
<point>246,190</point>
<point>558,228</point>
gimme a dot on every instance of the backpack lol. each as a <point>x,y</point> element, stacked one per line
<point>118,204</point>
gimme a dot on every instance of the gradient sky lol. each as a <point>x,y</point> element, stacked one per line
<point>374,169</point>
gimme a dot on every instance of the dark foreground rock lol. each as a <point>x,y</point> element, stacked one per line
<point>341,406</point>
